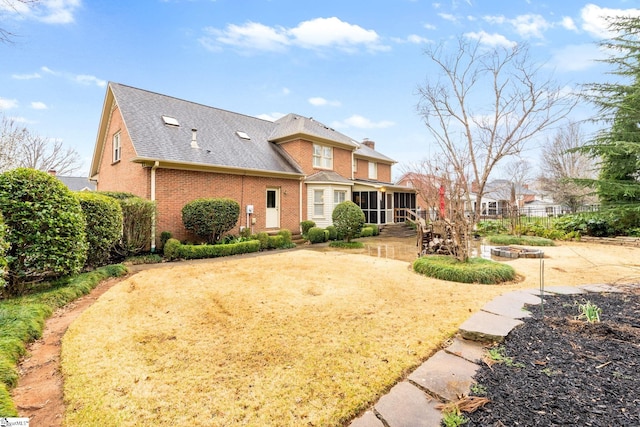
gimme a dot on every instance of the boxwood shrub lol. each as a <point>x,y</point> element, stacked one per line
<point>214,251</point>
<point>209,218</point>
<point>333,232</point>
<point>103,225</point>
<point>172,249</point>
<point>305,226</point>
<point>45,228</point>
<point>316,235</point>
<point>366,232</point>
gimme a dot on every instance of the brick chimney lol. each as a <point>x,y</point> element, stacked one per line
<point>369,143</point>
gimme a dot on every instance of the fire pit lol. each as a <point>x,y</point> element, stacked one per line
<point>514,251</point>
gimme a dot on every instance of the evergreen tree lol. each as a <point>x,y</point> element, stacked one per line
<point>618,145</point>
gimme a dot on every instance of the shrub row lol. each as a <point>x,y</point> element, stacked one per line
<point>176,250</point>
<point>475,270</point>
<point>320,235</point>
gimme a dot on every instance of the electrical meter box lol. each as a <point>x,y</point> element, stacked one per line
<point>249,209</point>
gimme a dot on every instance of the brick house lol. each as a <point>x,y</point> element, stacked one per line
<point>173,151</point>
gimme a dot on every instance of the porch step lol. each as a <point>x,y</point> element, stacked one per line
<point>398,230</point>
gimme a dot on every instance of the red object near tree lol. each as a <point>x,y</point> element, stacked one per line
<point>441,193</point>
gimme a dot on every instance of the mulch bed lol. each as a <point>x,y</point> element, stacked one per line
<point>573,373</point>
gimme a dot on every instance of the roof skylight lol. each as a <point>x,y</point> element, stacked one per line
<point>243,135</point>
<point>170,121</point>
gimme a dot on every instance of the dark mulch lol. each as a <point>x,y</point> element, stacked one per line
<point>574,373</point>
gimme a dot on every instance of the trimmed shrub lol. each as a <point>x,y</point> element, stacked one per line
<point>505,239</point>
<point>137,217</point>
<point>103,226</point>
<point>172,249</point>
<point>286,237</point>
<point>366,232</point>
<point>348,218</point>
<point>475,270</point>
<point>45,228</point>
<point>305,226</point>
<point>164,237</point>
<point>275,242</point>
<point>333,232</point>
<point>316,235</point>
<point>209,219</point>
<point>214,251</point>
<point>375,229</point>
<point>263,238</point>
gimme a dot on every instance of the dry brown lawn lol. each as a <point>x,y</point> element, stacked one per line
<point>286,339</point>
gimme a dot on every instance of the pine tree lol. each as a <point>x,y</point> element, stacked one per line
<point>618,145</point>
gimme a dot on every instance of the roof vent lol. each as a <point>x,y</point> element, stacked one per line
<point>170,121</point>
<point>243,135</point>
<point>194,138</point>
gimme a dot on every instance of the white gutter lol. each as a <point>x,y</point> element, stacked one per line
<point>300,207</point>
<point>153,199</point>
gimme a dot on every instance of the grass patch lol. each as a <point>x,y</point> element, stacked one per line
<point>22,320</point>
<point>346,245</point>
<point>475,270</point>
<point>315,344</point>
<point>507,239</point>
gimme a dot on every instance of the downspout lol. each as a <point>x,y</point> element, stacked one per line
<point>153,199</point>
<point>300,205</point>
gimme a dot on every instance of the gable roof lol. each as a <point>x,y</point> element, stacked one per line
<point>77,183</point>
<point>364,151</point>
<point>162,127</point>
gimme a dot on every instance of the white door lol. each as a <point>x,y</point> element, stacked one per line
<point>389,208</point>
<point>273,208</point>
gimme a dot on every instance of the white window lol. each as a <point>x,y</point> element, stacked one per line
<point>318,203</point>
<point>117,149</point>
<point>373,170</point>
<point>322,156</point>
<point>339,197</point>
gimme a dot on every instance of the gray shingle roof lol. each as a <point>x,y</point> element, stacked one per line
<point>77,183</point>
<point>327,176</point>
<point>218,141</point>
<point>365,151</point>
<point>294,124</point>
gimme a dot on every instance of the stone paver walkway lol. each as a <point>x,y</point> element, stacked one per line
<point>449,373</point>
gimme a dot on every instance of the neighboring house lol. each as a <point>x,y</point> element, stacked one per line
<point>499,196</point>
<point>75,183</point>
<point>173,151</point>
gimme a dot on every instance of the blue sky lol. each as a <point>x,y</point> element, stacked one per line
<point>352,65</point>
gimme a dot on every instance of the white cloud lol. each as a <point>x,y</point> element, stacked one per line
<point>429,26</point>
<point>360,122</point>
<point>568,24</point>
<point>37,105</point>
<point>90,80</point>
<point>272,117</point>
<point>493,40</point>
<point>286,91</point>
<point>6,104</point>
<point>321,102</point>
<point>526,26</point>
<point>83,79</point>
<point>416,39</point>
<point>448,17</point>
<point>26,76</point>
<point>47,11</point>
<point>319,33</point>
<point>594,22</point>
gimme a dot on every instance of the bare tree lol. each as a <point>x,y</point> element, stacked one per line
<point>21,148</point>
<point>16,6</point>
<point>561,164</point>
<point>484,106</point>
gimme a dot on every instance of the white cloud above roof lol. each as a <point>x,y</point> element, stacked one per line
<point>360,122</point>
<point>493,40</point>
<point>318,33</point>
<point>38,105</point>
<point>321,102</point>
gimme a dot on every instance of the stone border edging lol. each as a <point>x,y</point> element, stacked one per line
<point>449,372</point>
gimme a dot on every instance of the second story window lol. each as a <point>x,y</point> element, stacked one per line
<point>117,149</point>
<point>322,157</point>
<point>373,170</point>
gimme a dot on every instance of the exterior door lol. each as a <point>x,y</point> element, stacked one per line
<point>272,217</point>
<point>389,207</point>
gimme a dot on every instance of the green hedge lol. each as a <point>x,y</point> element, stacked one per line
<point>475,270</point>
<point>45,228</point>
<point>316,235</point>
<point>103,225</point>
<point>305,226</point>
<point>4,246</point>
<point>214,251</point>
<point>209,218</point>
<point>506,239</point>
